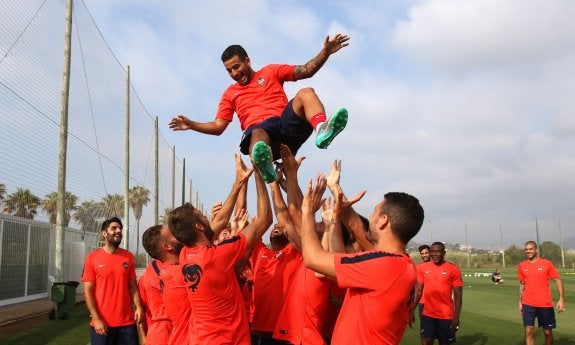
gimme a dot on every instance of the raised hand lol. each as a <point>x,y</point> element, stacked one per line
<point>313,199</point>
<point>334,175</point>
<point>332,45</point>
<point>242,172</point>
<point>289,164</point>
<point>179,123</point>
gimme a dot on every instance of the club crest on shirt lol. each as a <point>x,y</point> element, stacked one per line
<point>125,264</point>
<point>192,275</point>
<point>261,81</point>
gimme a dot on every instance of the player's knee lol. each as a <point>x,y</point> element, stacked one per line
<point>306,93</point>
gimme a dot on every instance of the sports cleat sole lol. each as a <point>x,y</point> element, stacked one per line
<point>335,124</point>
<point>262,158</point>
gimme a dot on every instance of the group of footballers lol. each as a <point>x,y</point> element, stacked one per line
<point>343,280</point>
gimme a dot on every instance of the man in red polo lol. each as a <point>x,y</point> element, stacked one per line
<point>379,282</point>
<point>110,288</point>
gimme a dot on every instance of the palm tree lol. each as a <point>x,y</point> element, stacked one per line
<point>87,215</point>
<point>22,203</point>
<point>50,206</point>
<point>163,218</point>
<point>139,197</point>
<point>112,206</point>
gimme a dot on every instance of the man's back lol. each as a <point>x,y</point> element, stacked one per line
<point>218,312</point>
<point>376,306</point>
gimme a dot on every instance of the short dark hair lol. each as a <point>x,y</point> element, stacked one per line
<point>439,244</point>
<point>182,224</point>
<point>107,223</point>
<point>233,50</point>
<point>151,240</point>
<point>423,246</point>
<point>531,242</point>
<point>405,214</point>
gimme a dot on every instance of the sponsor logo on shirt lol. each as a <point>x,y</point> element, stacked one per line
<point>192,275</point>
<point>278,254</point>
<point>444,273</point>
<point>101,265</point>
<point>261,81</point>
<point>540,268</point>
<point>125,264</point>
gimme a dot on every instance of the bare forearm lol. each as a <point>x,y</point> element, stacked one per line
<point>222,218</point>
<point>89,299</point>
<point>312,66</point>
<point>135,293</point>
<point>283,217</point>
<point>314,256</point>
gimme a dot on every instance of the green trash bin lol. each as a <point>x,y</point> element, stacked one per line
<point>64,297</point>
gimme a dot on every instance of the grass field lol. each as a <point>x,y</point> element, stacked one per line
<point>57,332</point>
<point>490,314</point>
<point>490,317</point>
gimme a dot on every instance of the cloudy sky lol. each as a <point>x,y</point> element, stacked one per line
<point>466,104</point>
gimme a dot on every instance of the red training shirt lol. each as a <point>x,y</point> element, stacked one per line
<point>177,305</point>
<point>438,282</point>
<point>218,311</point>
<point>273,275</point>
<point>376,308</point>
<point>262,98</point>
<point>536,277</point>
<point>111,275</point>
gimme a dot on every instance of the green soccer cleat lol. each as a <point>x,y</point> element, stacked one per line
<point>262,158</point>
<point>331,128</point>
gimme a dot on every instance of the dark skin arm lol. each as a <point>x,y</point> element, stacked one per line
<point>330,46</point>
<point>289,169</point>
<point>458,301</point>
<point>255,230</point>
<point>283,217</point>
<point>416,299</point>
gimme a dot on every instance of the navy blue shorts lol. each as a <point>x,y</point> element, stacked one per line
<point>124,335</point>
<point>545,316</point>
<point>286,129</point>
<point>432,328</point>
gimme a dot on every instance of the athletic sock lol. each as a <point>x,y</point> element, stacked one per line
<point>317,120</point>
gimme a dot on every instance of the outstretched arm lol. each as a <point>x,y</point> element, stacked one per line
<point>222,217</point>
<point>259,226</point>
<point>289,169</point>
<point>282,215</point>
<point>330,46</point>
<point>182,123</point>
<point>314,256</point>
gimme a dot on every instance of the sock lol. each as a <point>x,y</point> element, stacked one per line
<point>317,120</point>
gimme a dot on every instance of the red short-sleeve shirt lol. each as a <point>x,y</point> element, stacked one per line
<point>438,283</point>
<point>111,275</point>
<point>377,304</point>
<point>536,277</point>
<point>262,98</point>
<point>218,311</point>
<point>274,271</point>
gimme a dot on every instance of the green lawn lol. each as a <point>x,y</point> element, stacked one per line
<point>58,332</point>
<point>490,317</point>
<point>490,312</point>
